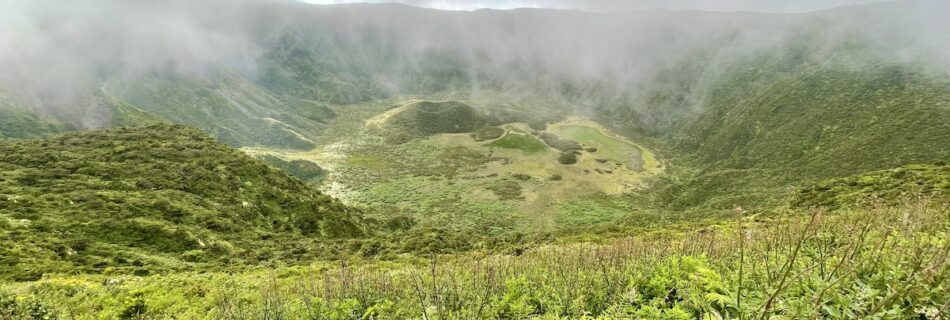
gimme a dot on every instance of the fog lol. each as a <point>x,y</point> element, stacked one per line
<point>771,6</point>
<point>57,55</point>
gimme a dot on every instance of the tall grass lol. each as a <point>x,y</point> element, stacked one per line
<point>876,263</point>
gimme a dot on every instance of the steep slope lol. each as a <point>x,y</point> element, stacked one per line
<point>770,127</point>
<point>22,124</point>
<point>820,122</point>
<point>124,114</point>
<point>228,106</point>
<point>149,199</point>
<point>18,119</point>
<point>18,122</point>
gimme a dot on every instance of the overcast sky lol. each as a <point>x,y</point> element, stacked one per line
<point>781,6</point>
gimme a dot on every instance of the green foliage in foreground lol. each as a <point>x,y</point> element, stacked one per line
<point>885,263</point>
<point>153,198</point>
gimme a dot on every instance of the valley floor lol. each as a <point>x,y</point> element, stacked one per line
<point>509,183</point>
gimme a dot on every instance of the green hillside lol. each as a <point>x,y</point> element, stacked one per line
<point>767,129</point>
<point>863,264</point>
<point>127,115</point>
<point>818,122</point>
<point>315,60</point>
<point>150,199</point>
<point>293,67</point>
<point>17,122</point>
<point>227,106</point>
<point>21,124</point>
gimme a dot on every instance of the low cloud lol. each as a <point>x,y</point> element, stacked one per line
<point>56,55</point>
<point>775,6</point>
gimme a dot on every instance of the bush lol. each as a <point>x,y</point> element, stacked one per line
<point>134,307</point>
<point>567,157</point>
<point>28,309</point>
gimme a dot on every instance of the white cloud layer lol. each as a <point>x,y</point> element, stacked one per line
<point>778,6</point>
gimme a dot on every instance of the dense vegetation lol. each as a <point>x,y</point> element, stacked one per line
<point>818,122</point>
<point>151,199</point>
<point>474,186</point>
<point>884,185</point>
<point>768,128</point>
<point>885,263</point>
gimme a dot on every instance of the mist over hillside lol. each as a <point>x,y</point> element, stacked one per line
<point>735,95</point>
<point>64,59</point>
<point>757,101</point>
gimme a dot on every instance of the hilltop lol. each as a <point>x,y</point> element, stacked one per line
<point>151,199</point>
<point>417,119</point>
